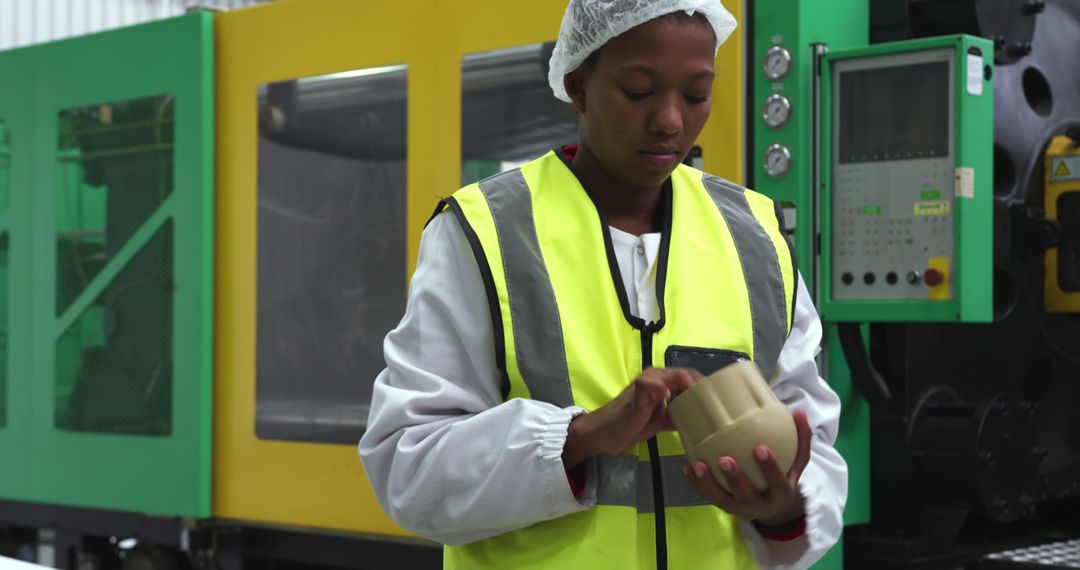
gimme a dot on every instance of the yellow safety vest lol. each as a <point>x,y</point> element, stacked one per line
<point>564,334</point>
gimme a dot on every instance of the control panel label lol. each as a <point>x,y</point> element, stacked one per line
<point>790,218</point>
<point>936,208</point>
<point>974,74</point>
<point>965,182</point>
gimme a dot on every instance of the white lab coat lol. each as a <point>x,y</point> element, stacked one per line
<point>451,461</point>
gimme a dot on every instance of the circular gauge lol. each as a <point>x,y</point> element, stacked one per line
<point>777,63</point>
<point>777,111</point>
<point>777,160</point>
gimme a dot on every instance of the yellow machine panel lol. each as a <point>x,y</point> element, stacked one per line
<point>1062,278</point>
<point>418,47</point>
<point>285,482</point>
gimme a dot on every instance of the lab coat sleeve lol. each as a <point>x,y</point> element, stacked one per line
<point>824,482</point>
<point>449,459</point>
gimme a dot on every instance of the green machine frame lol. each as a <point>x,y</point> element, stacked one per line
<point>806,28</point>
<point>971,299</point>
<point>814,32</point>
<point>111,175</point>
<point>13,346</point>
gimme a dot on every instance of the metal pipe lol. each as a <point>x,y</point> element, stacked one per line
<point>118,152</point>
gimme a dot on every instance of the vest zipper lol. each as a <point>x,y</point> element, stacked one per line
<point>660,521</point>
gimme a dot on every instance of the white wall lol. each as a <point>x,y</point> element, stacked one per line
<point>28,22</point>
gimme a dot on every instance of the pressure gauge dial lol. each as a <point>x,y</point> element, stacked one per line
<point>777,63</point>
<point>777,111</point>
<point>777,160</point>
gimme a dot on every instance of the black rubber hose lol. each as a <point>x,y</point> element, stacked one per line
<point>866,379</point>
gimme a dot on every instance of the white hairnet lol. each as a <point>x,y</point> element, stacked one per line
<point>589,24</point>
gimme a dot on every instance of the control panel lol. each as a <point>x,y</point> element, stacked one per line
<point>893,175</point>
<point>905,201</point>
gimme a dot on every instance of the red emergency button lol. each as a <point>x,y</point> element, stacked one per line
<point>933,277</point>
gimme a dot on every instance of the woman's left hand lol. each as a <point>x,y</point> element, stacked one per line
<point>779,504</point>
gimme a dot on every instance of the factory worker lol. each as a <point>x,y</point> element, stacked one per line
<point>521,419</point>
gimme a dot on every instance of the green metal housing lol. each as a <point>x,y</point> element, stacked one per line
<point>803,27</point>
<point>108,396</point>
<point>972,300</point>
<point>798,25</point>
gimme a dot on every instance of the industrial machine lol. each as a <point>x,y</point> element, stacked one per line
<point>202,247</point>
<point>978,449</point>
<point>946,287</point>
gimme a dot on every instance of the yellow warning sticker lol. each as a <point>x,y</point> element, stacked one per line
<point>1062,169</point>
<point>938,208</point>
<point>1065,168</point>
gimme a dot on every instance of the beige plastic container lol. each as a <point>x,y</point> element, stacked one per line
<point>730,413</point>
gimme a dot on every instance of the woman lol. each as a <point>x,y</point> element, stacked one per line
<point>522,419</point>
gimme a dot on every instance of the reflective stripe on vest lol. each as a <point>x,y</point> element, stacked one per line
<point>535,316</point>
<point>626,481</point>
<point>761,268</point>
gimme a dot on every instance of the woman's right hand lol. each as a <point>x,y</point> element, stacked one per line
<point>635,415</point>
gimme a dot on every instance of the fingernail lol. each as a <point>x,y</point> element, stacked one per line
<point>762,453</point>
<point>699,470</point>
<point>725,464</point>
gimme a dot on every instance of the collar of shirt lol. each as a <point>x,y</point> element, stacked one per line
<point>636,256</point>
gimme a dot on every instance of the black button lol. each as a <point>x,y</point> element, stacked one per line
<point>892,278</point>
<point>869,278</point>
<point>847,278</point>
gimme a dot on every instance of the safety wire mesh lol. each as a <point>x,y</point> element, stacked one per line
<point>5,181</point>
<point>114,363</point>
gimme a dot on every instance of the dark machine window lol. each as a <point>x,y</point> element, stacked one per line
<point>508,114</point>
<point>331,253</point>
<point>114,360</point>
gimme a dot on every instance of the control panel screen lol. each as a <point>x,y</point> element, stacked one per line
<point>894,113</point>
